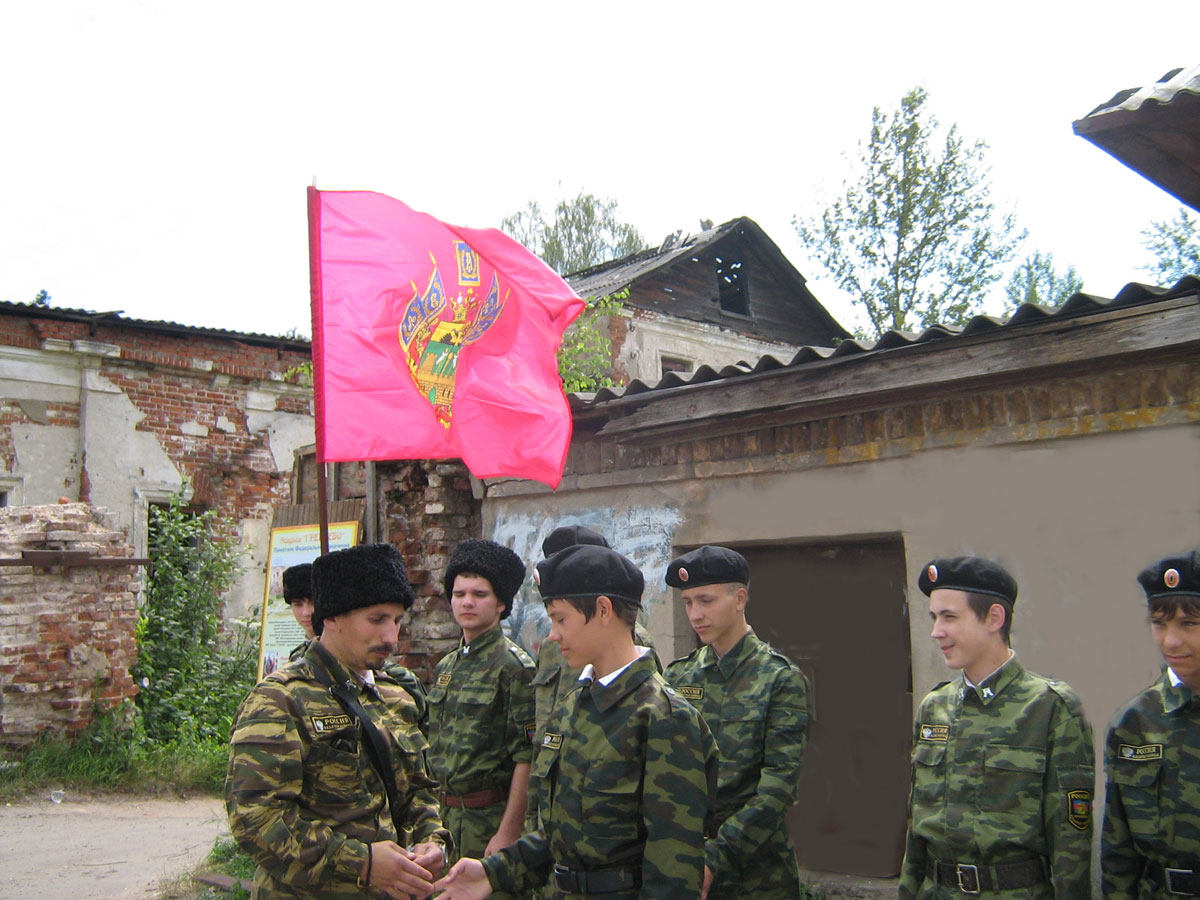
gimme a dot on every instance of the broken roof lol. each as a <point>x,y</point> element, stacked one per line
<point>1155,130</point>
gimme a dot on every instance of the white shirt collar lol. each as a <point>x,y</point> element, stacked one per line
<point>589,671</point>
<point>990,674</point>
<point>1176,681</point>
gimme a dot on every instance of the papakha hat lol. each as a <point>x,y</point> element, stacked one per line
<point>503,569</point>
<point>350,579</point>
<point>297,582</point>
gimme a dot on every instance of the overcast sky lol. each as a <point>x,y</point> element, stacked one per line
<point>156,154</point>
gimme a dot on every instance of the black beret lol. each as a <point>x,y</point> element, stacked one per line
<point>587,570</point>
<point>503,569</point>
<point>1175,576</point>
<point>350,579</point>
<point>297,582</point>
<point>570,535</point>
<point>708,565</point>
<point>968,573</point>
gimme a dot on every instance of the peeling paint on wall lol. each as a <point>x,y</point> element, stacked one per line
<point>642,533</point>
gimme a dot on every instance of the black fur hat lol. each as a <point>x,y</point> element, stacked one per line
<point>503,569</point>
<point>365,575</point>
<point>297,582</point>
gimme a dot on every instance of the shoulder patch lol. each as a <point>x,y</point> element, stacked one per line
<point>443,680</point>
<point>937,733</point>
<point>1140,753</point>
<point>330,723</point>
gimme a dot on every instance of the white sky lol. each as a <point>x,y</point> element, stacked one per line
<point>156,154</point>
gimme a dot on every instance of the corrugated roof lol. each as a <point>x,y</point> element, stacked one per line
<point>115,318</point>
<point>1080,304</point>
<point>1155,130</point>
<point>598,281</point>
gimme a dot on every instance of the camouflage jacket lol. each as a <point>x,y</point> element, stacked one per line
<point>302,796</point>
<point>624,779</point>
<point>1002,772</point>
<point>1152,810</point>
<point>405,677</point>
<point>481,714</point>
<point>555,679</point>
<point>756,702</point>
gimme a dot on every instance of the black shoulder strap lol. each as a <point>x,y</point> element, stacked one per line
<point>376,745</point>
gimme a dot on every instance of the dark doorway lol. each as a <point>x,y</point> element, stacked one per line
<point>838,610</point>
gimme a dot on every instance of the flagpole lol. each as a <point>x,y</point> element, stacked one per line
<point>314,277</point>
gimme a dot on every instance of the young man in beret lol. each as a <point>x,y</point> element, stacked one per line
<point>305,794</point>
<point>481,705</point>
<point>1003,764</point>
<point>1150,846</point>
<point>756,702</point>
<point>626,768</point>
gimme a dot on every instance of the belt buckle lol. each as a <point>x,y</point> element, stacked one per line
<point>1171,883</point>
<point>972,872</point>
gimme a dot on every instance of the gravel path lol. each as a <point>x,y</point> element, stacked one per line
<point>112,848</point>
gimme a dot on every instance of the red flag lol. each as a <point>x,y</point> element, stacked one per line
<point>431,340</point>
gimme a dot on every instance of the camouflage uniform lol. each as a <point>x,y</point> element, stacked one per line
<point>1002,773</point>
<point>1152,811</point>
<point>302,796</point>
<point>480,727</point>
<point>756,702</point>
<point>624,778</point>
<point>403,676</point>
<point>555,679</point>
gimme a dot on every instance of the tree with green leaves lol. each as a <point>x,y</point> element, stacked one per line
<point>915,239</point>
<point>583,232</point>
<point>585,360</point>
<point>1175,245</point>
<point>1037,281</point>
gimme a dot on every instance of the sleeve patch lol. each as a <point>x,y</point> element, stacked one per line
<point>1079,809</point>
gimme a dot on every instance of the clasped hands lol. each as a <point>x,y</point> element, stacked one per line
<point>403,873</point>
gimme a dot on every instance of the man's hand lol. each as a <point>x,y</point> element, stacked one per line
<point>431,857</point>
<point>394,871</point>
<point>708,880</point>
<point>466,881</point>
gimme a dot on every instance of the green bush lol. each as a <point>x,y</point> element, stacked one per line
<point>192,675</point>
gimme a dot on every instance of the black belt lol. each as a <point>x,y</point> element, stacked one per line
<point>597,881</point>
<point>1181,882</point>
<point>975,879</point>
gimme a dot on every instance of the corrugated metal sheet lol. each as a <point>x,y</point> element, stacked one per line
<point>1165,90</point>
<point>1132,294</point>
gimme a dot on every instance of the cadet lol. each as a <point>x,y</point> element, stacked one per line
<point>326,769</point>
<point>756,702</point>
<point>626,768</point>
<point>297,593</point>
<point>481,705</point>
<point>1003,761</point>
<point>554,678</point>
<point>1150,845</point>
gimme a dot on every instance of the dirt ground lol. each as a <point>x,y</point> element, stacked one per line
<point>112,848</point>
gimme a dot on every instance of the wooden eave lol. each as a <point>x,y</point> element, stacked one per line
<point>1012,355</point>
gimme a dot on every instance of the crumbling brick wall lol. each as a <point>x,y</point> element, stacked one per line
<point>67,633</point>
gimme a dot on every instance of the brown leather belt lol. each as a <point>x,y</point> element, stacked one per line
<point>997,877</point>
<point>477,800</point>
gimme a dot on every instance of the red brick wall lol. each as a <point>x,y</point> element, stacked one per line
<point>66,633</point>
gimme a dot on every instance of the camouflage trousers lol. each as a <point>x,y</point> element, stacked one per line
<point>471,829</point>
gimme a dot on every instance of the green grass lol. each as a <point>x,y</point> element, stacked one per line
<point>111,757</point>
